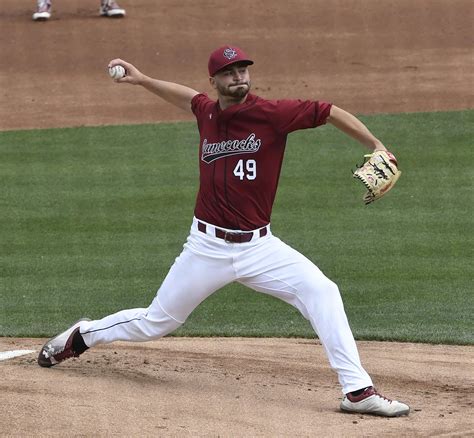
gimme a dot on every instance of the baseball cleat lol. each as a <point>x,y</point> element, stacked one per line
<point>110,8</point>
<point>371,402</point>
<point>43,11</point>
<point>60,347</point>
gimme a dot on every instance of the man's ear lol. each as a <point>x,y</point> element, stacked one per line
<point>212,81</point>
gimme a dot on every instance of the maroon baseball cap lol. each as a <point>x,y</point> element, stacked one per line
<point>224,56</point>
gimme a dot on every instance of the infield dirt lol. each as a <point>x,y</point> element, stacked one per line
<point>367,56</point>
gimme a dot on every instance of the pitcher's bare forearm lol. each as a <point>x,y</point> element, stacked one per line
<point>176,94</point>
<point>353,127</point>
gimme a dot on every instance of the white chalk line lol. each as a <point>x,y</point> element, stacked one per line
<point>4,355</point>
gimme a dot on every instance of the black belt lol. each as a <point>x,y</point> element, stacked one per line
<point>231,236</point>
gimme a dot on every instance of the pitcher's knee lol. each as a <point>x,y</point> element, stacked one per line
<point>332,289</point>
<point>321,294</point>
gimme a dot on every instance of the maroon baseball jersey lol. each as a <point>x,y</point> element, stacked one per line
<point>241,152</point>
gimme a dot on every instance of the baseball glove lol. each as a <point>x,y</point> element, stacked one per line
<point>379,173</point>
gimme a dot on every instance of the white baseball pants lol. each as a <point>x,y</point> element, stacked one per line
<point>265,264</point>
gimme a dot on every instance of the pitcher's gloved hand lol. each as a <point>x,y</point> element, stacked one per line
<point>379,173</point>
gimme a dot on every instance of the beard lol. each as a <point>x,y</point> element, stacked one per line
<point>235,91</point>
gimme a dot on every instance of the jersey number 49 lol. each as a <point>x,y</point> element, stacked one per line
<point>246,169</point>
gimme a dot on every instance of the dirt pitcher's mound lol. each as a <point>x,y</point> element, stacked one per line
<point>231,387</point>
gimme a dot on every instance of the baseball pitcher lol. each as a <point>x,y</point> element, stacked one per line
<point>242,142</point>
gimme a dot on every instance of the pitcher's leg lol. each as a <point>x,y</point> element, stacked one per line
<point>277,269</point>
<point>129,325</point>
<point>325,308</point>
<point>191,279</point>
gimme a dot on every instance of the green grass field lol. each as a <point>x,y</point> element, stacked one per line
<point>91,219</point>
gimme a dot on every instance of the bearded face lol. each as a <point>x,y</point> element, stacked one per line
<point>237,90</point>
<point>233,82</point>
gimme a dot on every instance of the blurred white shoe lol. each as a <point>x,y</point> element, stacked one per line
<point>43,11</point>
<point>110,8</point>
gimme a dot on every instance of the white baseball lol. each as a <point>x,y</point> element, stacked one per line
<point>116,72</point>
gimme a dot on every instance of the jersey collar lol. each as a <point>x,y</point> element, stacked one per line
<point>232,110</point>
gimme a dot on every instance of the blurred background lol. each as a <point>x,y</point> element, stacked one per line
<point>367,56</point>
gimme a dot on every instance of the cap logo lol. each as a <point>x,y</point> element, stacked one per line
<point>230,53</point>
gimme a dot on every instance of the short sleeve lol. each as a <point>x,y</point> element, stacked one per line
<point>199,103</point>
<point>291,115</point>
